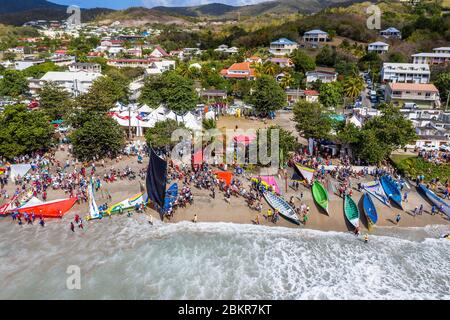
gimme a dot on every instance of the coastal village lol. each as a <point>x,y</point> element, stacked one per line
<point>364,127</point>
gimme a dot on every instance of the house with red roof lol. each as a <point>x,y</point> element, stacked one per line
<point>241,70</point>
<point>159,52</point>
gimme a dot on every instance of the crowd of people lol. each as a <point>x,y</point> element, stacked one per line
<point>435,156</point>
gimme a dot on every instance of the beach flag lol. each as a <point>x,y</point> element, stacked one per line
<point>156,179</point>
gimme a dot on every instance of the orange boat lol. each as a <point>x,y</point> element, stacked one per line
<point>50,209</point>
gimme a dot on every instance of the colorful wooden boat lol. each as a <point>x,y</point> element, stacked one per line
<point>320,195</point>
<point>171,196</point>
<point>375,189</point>
<point>391,189</point>
<point>126,205</point>
<point>50,209</point>
<point>436,200</point>
<point>279,204</point>
<point>306,172</point>
<point>351,211</point>
<point>369,209</point>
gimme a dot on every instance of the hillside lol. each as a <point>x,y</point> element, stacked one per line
<point>8,6</point>
<point>18,12</point>
<point>138,16</point>
<point>269,7</point>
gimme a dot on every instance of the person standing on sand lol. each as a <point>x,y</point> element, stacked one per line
<point>195,218</point>
<point>150,219</point>
<point>405,196</point>
<point>366,238</point>
<point>433,210</point>
<point>397,218</point>
<point>415,211</point>
<point>421,209</point>
<point>305,218</point>
<point>257,219</point>
<point>72,227</point>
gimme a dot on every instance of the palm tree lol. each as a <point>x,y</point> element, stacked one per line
<point>259,70</point>
<point>286,81</point>
<point>353,86</point>
<point>270,68</point>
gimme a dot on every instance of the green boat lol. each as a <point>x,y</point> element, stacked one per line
<point>351,211</point>
<point>320,195</point>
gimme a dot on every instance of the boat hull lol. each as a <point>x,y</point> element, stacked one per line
<point>279,204</point>
<point>320,195</point>
<point>369,209</point>
<point>391,189</point>
<point>51,209</point>
<point>435,199</point>
<point>351,211</point>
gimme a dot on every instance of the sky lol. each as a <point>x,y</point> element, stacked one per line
<point>122,4</point>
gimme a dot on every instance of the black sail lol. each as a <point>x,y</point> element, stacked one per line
<point>156,179</point>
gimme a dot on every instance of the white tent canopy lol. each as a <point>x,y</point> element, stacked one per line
<point>19,170</point>
<point>145,109</point>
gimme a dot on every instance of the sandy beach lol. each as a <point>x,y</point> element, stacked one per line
<point>237,211</point>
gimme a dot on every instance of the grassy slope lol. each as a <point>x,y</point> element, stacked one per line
<point>413,166</point>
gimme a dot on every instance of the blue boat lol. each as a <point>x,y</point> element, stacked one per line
<point>369,209</point>
<point>436,200</point>
<point>391,189</point>
<point>171,196</point>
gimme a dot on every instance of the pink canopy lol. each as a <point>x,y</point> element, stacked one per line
<point>270,180</point>
<point>245,139</point>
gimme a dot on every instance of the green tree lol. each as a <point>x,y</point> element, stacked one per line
<point>13,84</point>
<point>397,57</point>
<point>268,96</point>
<point>331,94</point>
<point>442,83</point>
<point>23,131</point>
<point>326,57</point>
<point>160,135</point>
<point>353,86</point>
<point>171,89</point>
<point>370,148</point>
<point>37,71</point>
<point>54,100</point>
<point>312,120</point>
<point>98,137</point>
<point>302,61</point>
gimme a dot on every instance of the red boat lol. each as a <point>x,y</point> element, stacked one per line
<point>50,209</point>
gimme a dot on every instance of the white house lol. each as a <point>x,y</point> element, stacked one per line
<point>74,82</point>
<point>325,75</point>
<point>431,57</point>
<point>405,73</point>
<point>225,49</point>
<point>282,47</point>
<point>158,67</point>
<point>378,47</point>
<point>420,94</point>
<point>391,32</point>
<point>315,36</point>
<point>159,52</point>
<point>62,60</point>
<point>442,50</point>
<point>85,67</point>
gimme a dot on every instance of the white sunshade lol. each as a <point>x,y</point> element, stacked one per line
<point>19,170</point>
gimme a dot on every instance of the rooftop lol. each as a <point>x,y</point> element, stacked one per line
<point>283,41</point>
<point>315,31</point>
<point>413,86</point>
